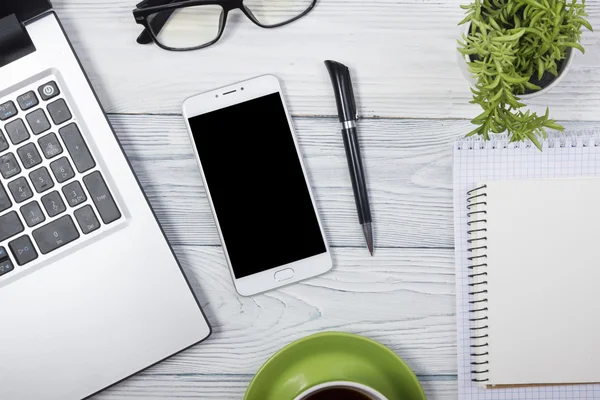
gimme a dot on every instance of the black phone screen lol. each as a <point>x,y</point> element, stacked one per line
<point>257,186</point>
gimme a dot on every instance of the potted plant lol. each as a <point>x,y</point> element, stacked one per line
<point>515,49</point>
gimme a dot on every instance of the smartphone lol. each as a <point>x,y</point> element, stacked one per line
<point>257,186</point>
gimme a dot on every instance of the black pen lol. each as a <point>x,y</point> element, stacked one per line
<point>346,104</point>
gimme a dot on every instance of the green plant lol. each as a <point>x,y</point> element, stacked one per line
<point>513,45</point>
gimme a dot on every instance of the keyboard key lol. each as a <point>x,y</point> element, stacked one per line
<point>59,111</point>
<point>53,204</point>
<point>6,266</point>
<point>55,234</point>
<point>102,198</point>
<point>62,170</point>
<point>7,110</point>
<point>86,218</point>
<point>23,250</point>
<point>32,214</point>
<point>77,148</point>
<point>3,254</point>
<point>74,194</point>
<point>27,100</point>
<point>17,132</point>
<point>38,122</point>
<point>3,142</point>
<point>48,90</point>
<point>9,166</point>
<point>29,155</point>
<point>50,146</point>
<point>41,180</point>
<point>20,190</point>
<point>10,225</point>
<point>5,202</point>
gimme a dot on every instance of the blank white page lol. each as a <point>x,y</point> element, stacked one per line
<point>543,255</point>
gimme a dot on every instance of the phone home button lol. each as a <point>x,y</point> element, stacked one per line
<point>284,274</point>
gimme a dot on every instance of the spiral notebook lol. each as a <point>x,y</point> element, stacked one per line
<point>527,240</point>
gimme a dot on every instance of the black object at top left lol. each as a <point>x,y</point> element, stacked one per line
<point>15,43</point>
<point>24,9</point>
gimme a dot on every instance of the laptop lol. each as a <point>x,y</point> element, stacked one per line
<point>90,290</point>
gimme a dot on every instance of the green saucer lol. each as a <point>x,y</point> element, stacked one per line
<point>334,356</point>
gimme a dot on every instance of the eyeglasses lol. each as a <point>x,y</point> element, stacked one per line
<point>182,25</point>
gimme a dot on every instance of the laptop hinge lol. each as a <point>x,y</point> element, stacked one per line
<point>15,42</point>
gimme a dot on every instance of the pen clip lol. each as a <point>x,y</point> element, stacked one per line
<point>352,97</point>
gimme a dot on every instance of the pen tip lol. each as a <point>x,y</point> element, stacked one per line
<point>368,231</point>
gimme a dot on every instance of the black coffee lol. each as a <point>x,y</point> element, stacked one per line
<point>338,394</point>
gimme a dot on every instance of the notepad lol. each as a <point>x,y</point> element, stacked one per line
<point>527,233</point>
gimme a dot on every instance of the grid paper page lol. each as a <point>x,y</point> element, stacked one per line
<point>476,161</point>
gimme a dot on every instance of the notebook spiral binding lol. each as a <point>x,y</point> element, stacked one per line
<point>589,138</point>
<point>477,214</point>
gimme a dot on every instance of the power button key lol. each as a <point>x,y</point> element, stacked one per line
<point>48,90</point>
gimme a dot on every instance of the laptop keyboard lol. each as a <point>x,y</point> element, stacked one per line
<point>51,191</point>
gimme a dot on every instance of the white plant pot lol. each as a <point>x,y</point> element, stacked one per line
<point>463,61</point>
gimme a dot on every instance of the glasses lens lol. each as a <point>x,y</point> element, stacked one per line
<point>187,27</point>
<point>274,12</point>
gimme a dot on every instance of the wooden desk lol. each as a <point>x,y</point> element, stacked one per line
<point>414,102</point>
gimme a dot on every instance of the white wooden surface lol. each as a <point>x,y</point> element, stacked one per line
<point>402,53</point>
<point>404,63</point>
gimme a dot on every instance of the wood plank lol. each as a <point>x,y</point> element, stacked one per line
<point>408,164</point>
<point>208,387</point>
<point>403,298</point>
<point>402,54</point>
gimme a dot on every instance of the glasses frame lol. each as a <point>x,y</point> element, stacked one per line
<point>149,7</point>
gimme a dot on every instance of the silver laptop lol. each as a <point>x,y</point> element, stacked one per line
<point>90,290</point>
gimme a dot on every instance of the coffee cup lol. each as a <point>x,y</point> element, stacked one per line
<point>340,390</point>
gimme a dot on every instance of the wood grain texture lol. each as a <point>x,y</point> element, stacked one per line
<point>408,168</point>
<point>408,165</point>
<point>229,387</point>
<point>402,54</point>
<point>403,298</point>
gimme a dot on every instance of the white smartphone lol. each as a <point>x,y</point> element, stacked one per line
<point>257,186</point>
